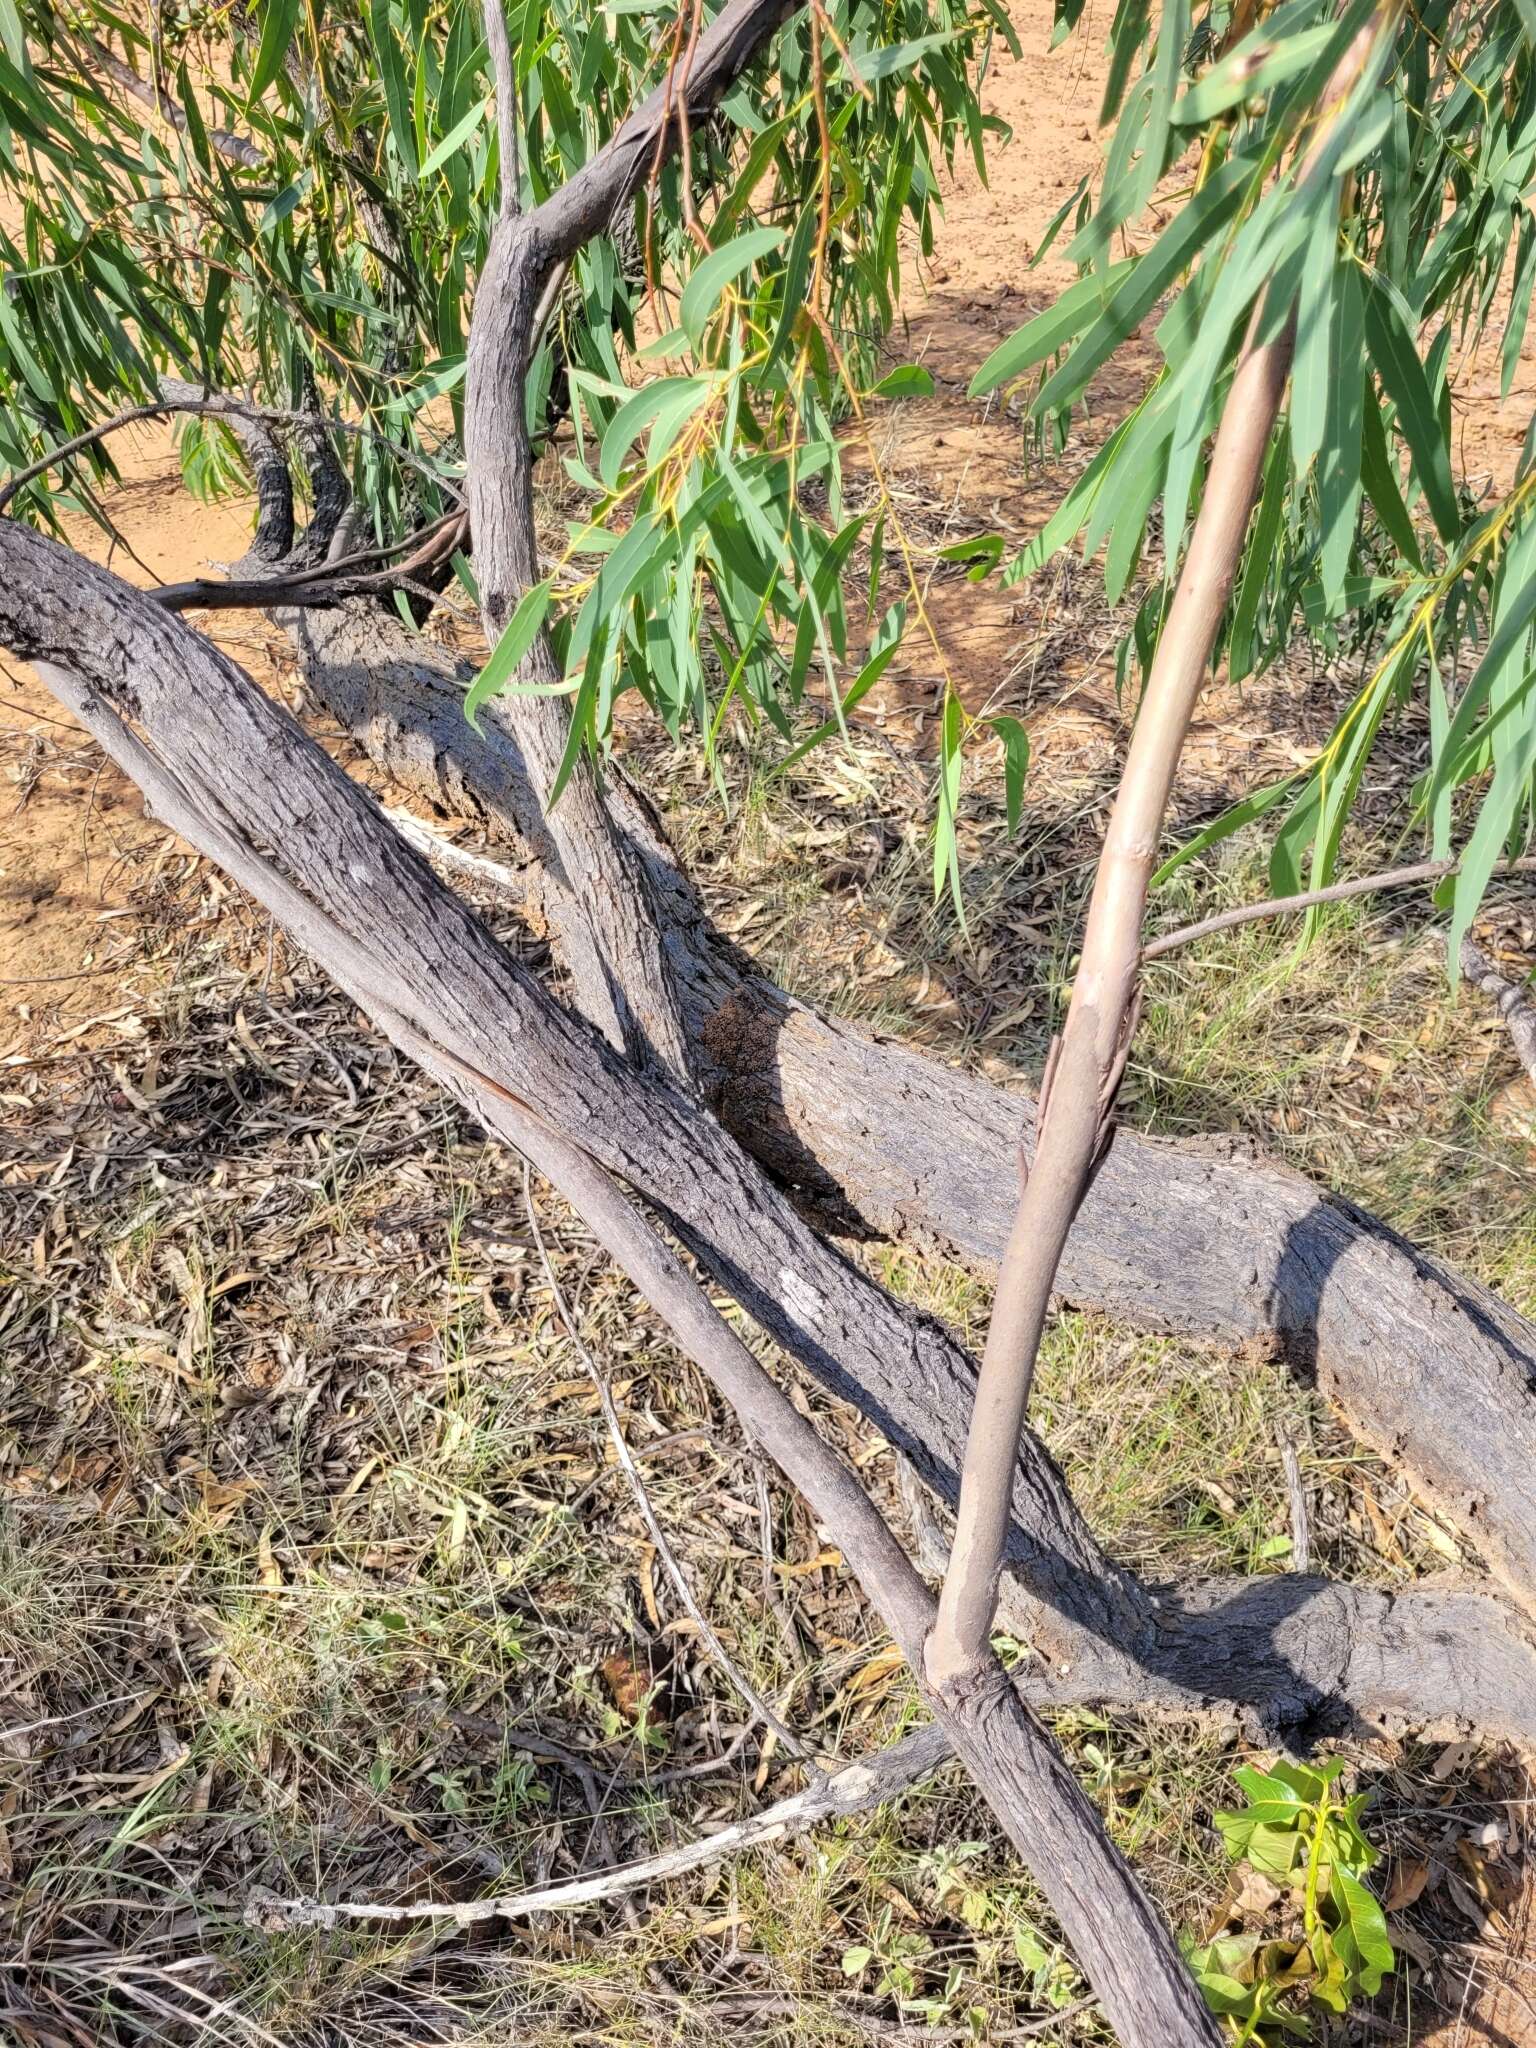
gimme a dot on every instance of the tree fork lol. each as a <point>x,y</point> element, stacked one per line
<point>369,908</point>
<point>1208,1239</point>
<point>1101,1016</point>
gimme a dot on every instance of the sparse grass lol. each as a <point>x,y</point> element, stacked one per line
<point>340,1525</point>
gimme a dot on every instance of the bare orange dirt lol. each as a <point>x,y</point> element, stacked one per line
<point>66,887</point>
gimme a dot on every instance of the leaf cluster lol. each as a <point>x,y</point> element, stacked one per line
<point>1298,1833</point>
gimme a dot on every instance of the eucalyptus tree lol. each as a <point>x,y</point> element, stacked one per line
<point>390,257</point>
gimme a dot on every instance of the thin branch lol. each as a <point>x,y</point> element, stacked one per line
<point>238,148</point>
<point>852,1789</point>
<point>217,404</point>
<point>588,200</point>
<point>318,584</point>
<point>1336,892</point>
<point>504,76</point>
<point>754,1699</point>
<point>1512,1001</point>
<point>1102,1015</point>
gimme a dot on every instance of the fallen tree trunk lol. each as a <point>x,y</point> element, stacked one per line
<point>232,771</point>
<point>1208,1239</point>
<point>1296,1658</point>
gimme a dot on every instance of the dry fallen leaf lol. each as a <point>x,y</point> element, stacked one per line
<point>1408,1882</point>
<point>268,1570</point>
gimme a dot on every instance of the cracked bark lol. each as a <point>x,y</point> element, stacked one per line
<point>1208,1239</point>
<point>403,946</point>
<point>1295,1657</point>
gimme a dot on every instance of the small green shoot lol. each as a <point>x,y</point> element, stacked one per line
<point>1329,1943</point>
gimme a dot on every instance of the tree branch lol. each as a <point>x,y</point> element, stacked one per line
<point>1309,899</point>
<point>837,1796</point>
<point>220,405</point>
<point>1102,1014</point>
<point>1512,1001</point>
<point>233,773</point>
<point>504,76</point>
<point>238,148</point>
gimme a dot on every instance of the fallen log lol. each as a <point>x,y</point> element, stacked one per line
<point>1210,1239</point>
<point>1295,1658</point>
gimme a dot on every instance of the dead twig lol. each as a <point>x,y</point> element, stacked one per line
<point>1309,899</point>
<point>1510,999</point>
<point>216,404</point>
<point>850,1790</point>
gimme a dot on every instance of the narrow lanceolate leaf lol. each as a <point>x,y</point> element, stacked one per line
<point>1172,35</point>
<point>946,847</point>
<point>882,650</point>
<point>710,277</point>
<point>397,96</point>
<point>1259,562</point>
<point>12,35</point>
<point>1314,332</point>
<point>1519,300</point>
<point>1065,317</point>
<point>1170,255</point>
<point>1439,729</point>
<point>1015,765</point>
<point>1503,655</point>
<point>1339,456</point>
<point>456,138</point>
<point>1380,480</point>
<point>636,414</point>
<point>1259,63</point>
<point>797,268</point>
<point>517,636</point>
<point>892,59</point>
<point>1232,820</point>
<point>1402,375</point>
<point>278,21</point>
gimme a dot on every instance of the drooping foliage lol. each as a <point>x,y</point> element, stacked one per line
<point>302,219</point>
<point>1397,237</point>
<point>304,214</point>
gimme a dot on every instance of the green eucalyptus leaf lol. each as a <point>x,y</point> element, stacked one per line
<point>506,657</point>
<point>711,275</point>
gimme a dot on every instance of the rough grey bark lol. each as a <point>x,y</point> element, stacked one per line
<point>1509,998</point>
<point>599,899</point>
<point>1295,1656</point>
<point>602,903</point>
<point>349,889</point>
<point>1209,1239</point>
